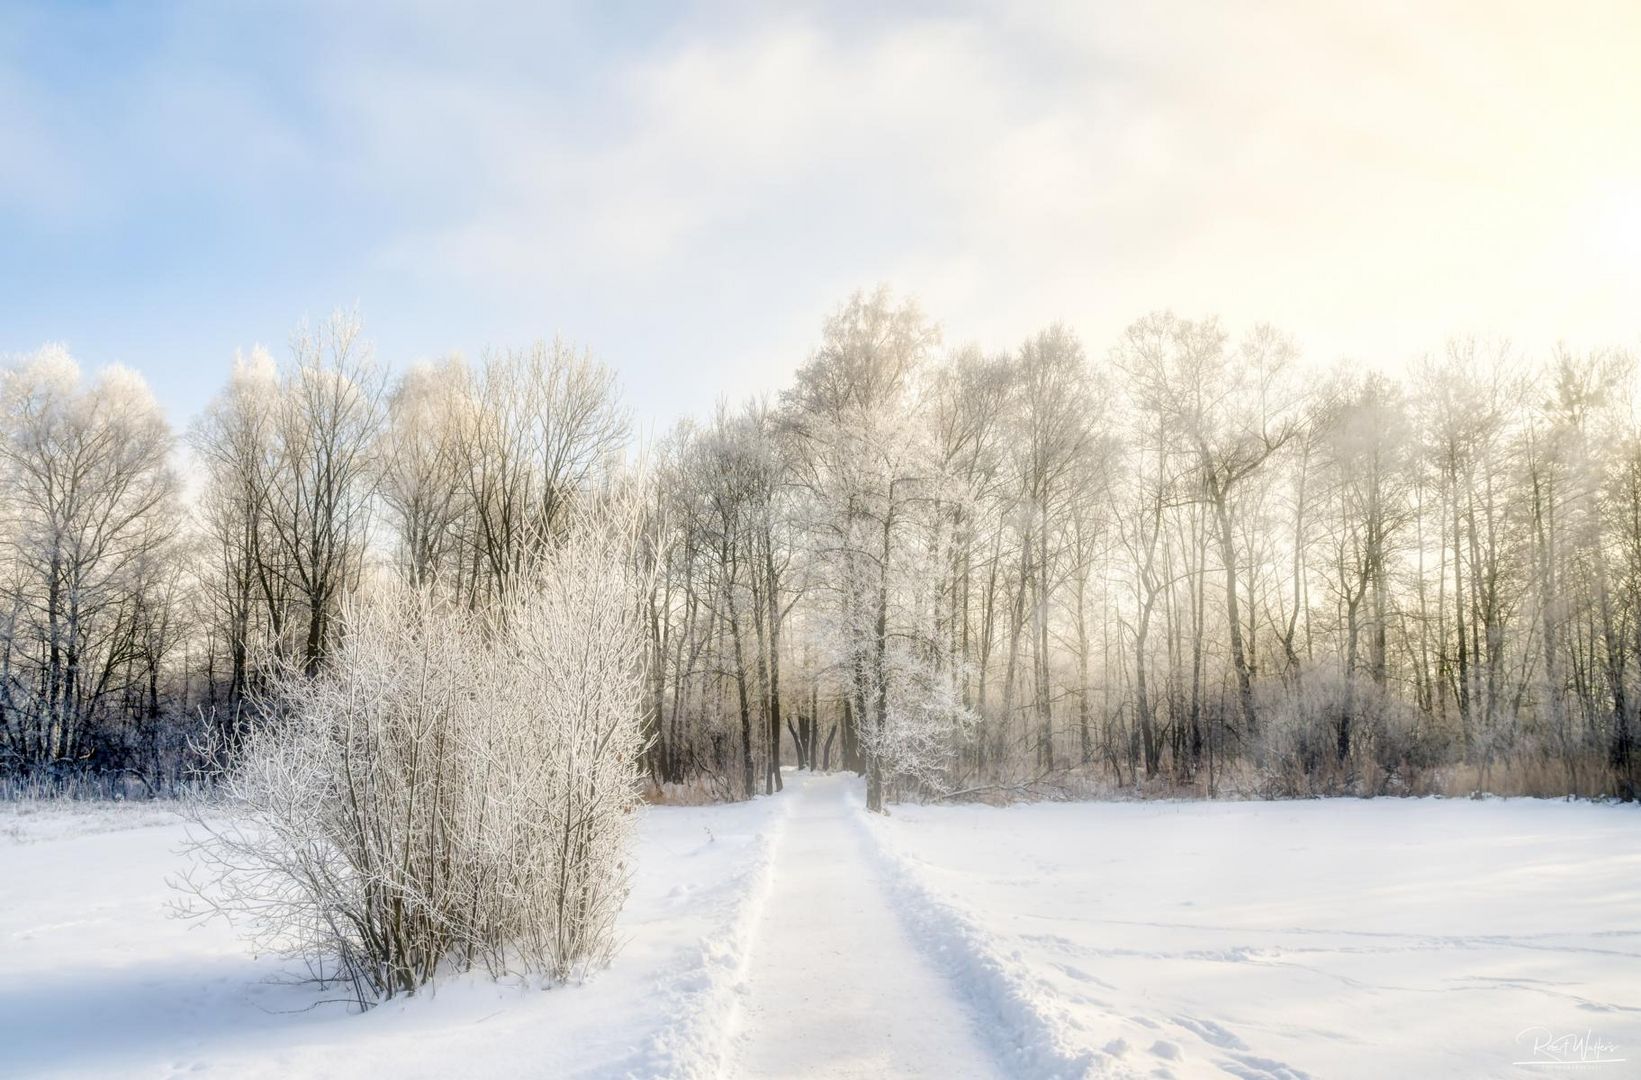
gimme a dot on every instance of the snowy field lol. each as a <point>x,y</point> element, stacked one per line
<point>97,980</point>
<point>795,936</point>
<point>1335,938</point>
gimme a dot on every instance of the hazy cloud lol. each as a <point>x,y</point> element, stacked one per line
<point>689,190</point>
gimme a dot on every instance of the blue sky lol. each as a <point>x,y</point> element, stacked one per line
<point>687,189</point>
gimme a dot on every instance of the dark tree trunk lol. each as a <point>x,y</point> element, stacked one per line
<point>1233,614</point>
<point>797,740</point>
<point>772,602</point>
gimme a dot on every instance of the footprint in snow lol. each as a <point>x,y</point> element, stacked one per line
<point>1249,1067</point>
<point>1210,1032</point>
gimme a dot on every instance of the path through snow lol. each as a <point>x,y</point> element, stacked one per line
<point>835,986</point>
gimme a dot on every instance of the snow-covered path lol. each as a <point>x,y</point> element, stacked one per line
<point>835,987</point>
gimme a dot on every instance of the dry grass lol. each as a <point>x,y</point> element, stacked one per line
<point>1535,777</point>
<point>1525,775</point>
<point>697,791</point>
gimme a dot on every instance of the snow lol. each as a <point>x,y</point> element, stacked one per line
<point>1329,938</point>
<point>96,979</point>
<point>799,936</point>
<point>33,820</point>
<point>837,987</point>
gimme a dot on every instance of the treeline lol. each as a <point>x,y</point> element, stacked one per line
<point>1185,563</point>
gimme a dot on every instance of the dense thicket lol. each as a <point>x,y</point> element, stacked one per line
<point>1188,560</point>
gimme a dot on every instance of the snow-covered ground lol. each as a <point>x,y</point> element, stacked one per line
<point>796,936</point>
<point>1334,938</point>
<point>33,821</point>
<point>97,980</point>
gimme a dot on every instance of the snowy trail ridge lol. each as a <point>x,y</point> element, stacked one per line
<point>835,986</point>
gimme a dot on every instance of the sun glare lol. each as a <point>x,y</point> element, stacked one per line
<point>1613,229</point>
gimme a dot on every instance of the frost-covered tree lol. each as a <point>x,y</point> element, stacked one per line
<point>1053,442</point>
<point>321,482</point>
<point>866,456</point>
<point>1230,413</point>
<point>541,426</point>
<point>247,603</point>
<point>88,527</point>
<point>290,467</point>
<point>423,473</point>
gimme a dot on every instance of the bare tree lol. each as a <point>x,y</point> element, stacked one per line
<point>422,476</point>
<point>1232,414</point>
<point>542,423</point>
<point>88,525</point>
<point>321,479</point>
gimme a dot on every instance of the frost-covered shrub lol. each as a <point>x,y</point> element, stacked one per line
<point>342,829</point>
<point>452,789</point>
<point>567,746</point>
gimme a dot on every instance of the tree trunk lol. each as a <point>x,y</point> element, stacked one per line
<point>772,601</point>
<point>874,771</point>
<point>1239,658</point>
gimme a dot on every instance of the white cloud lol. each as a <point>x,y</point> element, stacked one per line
<point>691,199</point>
<point>1343,171</point>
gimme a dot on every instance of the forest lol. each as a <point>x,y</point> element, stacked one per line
<point>1187,561</point>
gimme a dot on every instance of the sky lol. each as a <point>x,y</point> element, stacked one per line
<point>688,189</point>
